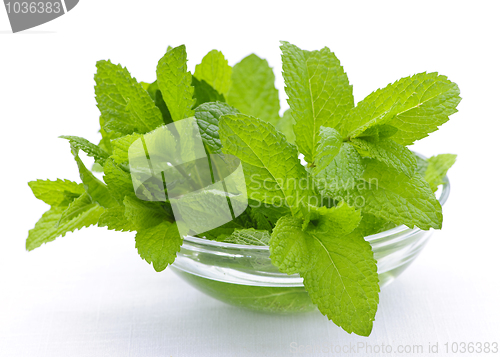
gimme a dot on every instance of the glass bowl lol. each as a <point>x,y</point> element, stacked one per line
<point>243,275</point>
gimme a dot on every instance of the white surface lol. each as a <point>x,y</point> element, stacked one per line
<point>89,294</point>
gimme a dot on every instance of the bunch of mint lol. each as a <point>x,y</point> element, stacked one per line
<point>360,177</point>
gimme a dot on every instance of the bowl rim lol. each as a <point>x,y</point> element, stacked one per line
<point>443,197</point>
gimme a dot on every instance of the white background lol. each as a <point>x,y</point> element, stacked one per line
<point>89,293</point>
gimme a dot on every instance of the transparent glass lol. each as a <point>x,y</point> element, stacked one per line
<point>243,275</point>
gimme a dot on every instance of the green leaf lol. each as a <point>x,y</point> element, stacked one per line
<point>222,232</point>
<point>106,136</point>
<point>205,209</point>
<point>341,220</point>
<point>204,93</point>
<point>249,237</point>
<point>259,220</point>
<point>328,147</point>
<point>97,190</point>
<point>372,126</point>
<point>385,131</point>
<point>272,213</point>
<point>253,91</point>
<point>158,245</point>
<point>271,165</point>
<point>341,174</point>
<point>417,105</point>
<point>144,214</point>
<point>395,197</point>
<point>375,132</point>
<point>119,182</point>
<point>390,153</point>
<point>120,147</point>
<point>371,224</point>
<point>319,93</point>
<point>96,167</point>
<point>114,218</point>
<point>155,94</point>
<point>285,125</point>
<point>343,280</point>
<point>46,230</point>
<point>90,149</point>
<point>290,247</point>
<point>174,82</point>
<point>124,104</point>
<point>437,168</point>
<point>75,208</point>
<point>207,116</point>
<point>56,193</point>
<point>214,70</point>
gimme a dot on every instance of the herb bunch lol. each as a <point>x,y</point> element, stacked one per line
<point>316,230</point>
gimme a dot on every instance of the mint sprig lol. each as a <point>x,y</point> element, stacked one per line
<point>319,93</point>
<point>354,153</point>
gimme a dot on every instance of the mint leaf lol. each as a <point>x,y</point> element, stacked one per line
<point>207,208</point>
<point>75,208</point>
<point>204,93</point>
<point>395,197</point>
<point>375,132</point>
<point>106,136</point>
<point>270,163</point>
<point>158,245</point>
<point>119,182</point>
<point>372,126</point>
<point>207,116</point>
<point>371,224</point>
<point>214,70</point>
<point>437,168</point>
<point>319,93</point>
<point>120,147</point>
<point>86,146</point>
<point>285,125</point>
<point>253,91</point>
<point>343,281</point>
<point>417,106</point>
<point>174,82</point>
<point>259,220</point>
<point>114,218</point>
<point>272,213</point>
<point>341,220</point>
<point>97,190</point>
<point>385,131</point>
<point>56,193</point>
<point>249,237</point>
<point>328,146</point>
<point>155,94</point>
<point>46,229</point>
<point>144,214</point>
<point>96,167</point>
<point>290,247</point>
<point>341,174</point>
<point>389,152</point>
<point>124,104</point>
<point>222,232</point>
